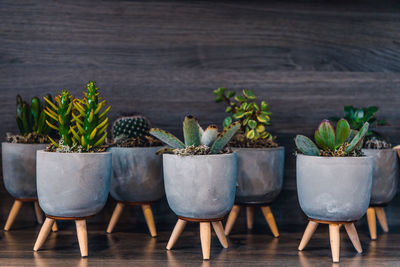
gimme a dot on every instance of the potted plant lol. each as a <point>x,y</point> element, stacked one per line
<point>334,181</point>
<point>137,170</point>
<point>19,155</point>
<point>199,178</point>
<point>73,174</point>
<point>260,159</point>
<point>386,167</point>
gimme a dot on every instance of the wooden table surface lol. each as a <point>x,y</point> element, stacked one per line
<point>131,245</point>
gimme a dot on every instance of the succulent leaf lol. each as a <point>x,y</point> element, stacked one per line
<point>167,138</point>
<point>342,132</point>
<point>210,135</point>
<point>224,138</point>
<point>191,132</point>
<point>327,134</point>
<point>359,137</point>
<point>306,146</point>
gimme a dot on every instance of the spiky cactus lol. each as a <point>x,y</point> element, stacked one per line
<point>342,142</point>
<point>91,125</point>
<point>130,127</point>
<point>61,113</point>
<point>31,118</point>
<point>196,139</point>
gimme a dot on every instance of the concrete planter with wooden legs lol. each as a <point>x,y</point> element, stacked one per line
<point>136,180</point>
<point>259,182</point>
<point>334,191</point>
<point>19,175</point>
<point>72,186</point>
<point>200,189</point>
<point>384,186</point>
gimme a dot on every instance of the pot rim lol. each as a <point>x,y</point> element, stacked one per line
<point>73,153</point>
<point>201,156</point>
<point>23,144</point>
<point>260,148</point>
<point>135,148</point>
<point>381,149</point>
<point>335,158</point>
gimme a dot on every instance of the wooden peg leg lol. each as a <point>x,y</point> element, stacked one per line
<point>13,214</point>
<point>371,222</point>
<point>231,219</point>
<point>148,215</point>
<point>38,212</point>
<point>54,228</point>
<point>219,230</point>
<point>352,232</point>
<point>380,214</point>
<point>82,237</point>
<point>270,220</point>
<point>334,236</point>
<point>205,238</point>
<point>115,217</point>
<point>43,234</point>
<point>308,233</point>
<point>178,229</point>
<point>250,217</point>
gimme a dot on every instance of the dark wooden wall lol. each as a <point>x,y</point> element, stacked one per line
<point>307,59</point>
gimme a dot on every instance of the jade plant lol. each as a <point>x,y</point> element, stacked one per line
<point>81,123</point>
<point>196,140</point>
<point>339,142</point>
<point>31,121</point>
<point>253,118</point>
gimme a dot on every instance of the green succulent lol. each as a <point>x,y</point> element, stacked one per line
<point>80,122</point>
<point>358,116</point>
<point>253,117</point>
<point>31,118</point>
<point>338,142</point>
<point>130,127</point>
<point>195,136</point>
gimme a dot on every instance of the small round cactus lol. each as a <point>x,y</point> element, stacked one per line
<point>130,127</point>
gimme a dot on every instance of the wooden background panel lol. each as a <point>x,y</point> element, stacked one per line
<point>163,59</point>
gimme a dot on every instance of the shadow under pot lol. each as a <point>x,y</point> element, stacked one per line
<point>384,186</point>
<point>334,191</point>
<point>136,180</point>
<point>72,186</point>
<point>201,189</point>
<point>259,182</point>
<point>19,176</point>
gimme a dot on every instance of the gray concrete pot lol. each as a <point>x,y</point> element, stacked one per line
<point>386,175</point>
<point>137,174</point>
<point>202,186</point>
<point>260,174</point>
<point>19,169</point>
<point>73,184</point>
<point>334,188</point>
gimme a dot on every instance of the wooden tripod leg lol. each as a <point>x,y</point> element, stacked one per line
<point>219,230</point>
<point>178,229</point>
<point>352,232</point>
<point>54,228</point>
<point>334,236</point>
<point>43,234</point>
<point>270,220</point>
<point>231,219</point>
<point>82,237</point>
<point>308,233</point>
<point>13,214</point>
<point>115,217</point>
<point>380,214</point>
<point>250,217</point>
<point>148,215</point>
<point>38,212</point>
<point>205,238</point>
<point>371,218</point>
